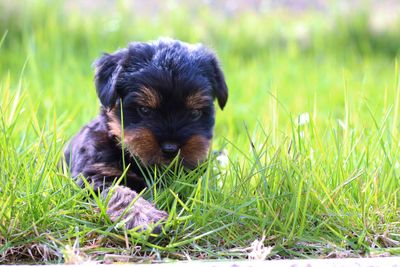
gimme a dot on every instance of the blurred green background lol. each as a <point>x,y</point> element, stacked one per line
<point>301,52</point>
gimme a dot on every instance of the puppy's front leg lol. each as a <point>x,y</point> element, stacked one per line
<point>123,201</point>
<point>139,214</point>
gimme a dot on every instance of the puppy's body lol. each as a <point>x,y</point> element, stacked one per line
<point>157,102</point>
<point>96,154</point>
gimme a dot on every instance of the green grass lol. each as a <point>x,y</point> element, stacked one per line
<point>327,187</point>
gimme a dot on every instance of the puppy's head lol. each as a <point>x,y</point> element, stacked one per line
<point>161,93</point>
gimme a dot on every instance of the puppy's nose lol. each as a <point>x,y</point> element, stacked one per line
<point>170,149</point>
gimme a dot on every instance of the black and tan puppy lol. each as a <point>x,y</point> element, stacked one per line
<point>165,90</point>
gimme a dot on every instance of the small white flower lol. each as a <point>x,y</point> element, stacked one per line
<point>397,165</point>
<point>223,159</point>
<point>312,155</point>
<point>303,118</point>
<point>220,167</point>
<point>342,124</point>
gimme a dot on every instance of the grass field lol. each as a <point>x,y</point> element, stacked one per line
<point>311,134</point>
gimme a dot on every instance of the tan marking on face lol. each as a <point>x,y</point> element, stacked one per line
<point>197,100</point>
<point>195,150</point>
<point>139,142</point>
<point>143,144</point>
<point>114,124</point>
<point>148,97</point>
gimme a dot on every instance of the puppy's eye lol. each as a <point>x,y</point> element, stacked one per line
<point>195,114</point>
<point>144,111</point>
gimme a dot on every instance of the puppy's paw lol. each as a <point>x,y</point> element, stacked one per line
<point>145,217</point>
<point>141,214</point>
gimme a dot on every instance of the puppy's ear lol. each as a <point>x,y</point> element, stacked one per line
<point>220,89</point>
<point>107,69</point>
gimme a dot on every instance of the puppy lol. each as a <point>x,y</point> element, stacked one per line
<point>156,103</point>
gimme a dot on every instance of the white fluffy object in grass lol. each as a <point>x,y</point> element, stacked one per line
<point>257,250</point>
<point>72,255</point>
